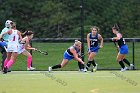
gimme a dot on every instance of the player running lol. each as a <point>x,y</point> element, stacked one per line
<point>12,47</point>
<point>71,53</point>
<point>24,46</point>
<point>92,42</point>
<point>123,49</point>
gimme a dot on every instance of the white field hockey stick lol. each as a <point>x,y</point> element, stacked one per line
<point>5,48</point>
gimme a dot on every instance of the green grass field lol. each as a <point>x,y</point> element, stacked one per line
<point>70,82</point>
<point>106,57</point>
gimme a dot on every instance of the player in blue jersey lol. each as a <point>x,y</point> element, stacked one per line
<point>71,53</point>
<point>4,41</point>
<point>123,49</point>
<point>92,41</point>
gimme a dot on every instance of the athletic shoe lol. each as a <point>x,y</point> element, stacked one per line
<point>9,70</point>
<point>131,66</point>
<point>31,69</point>
<point>5,70</point>
<point>85,70</point>
<point>123,69</point>
<point>50,69</point>
<point>81,70</point>
<point>94,68</point>
<point>126,68</point>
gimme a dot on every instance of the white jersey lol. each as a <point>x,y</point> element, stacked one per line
<point>13,41</point>
<point>21,48</point>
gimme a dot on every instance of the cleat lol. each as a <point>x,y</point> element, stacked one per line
<point>85,70</point>
<point>81,70</point>
<point>123,69</point>
<point>126,68</point>
<point>131,66</point>
<point>9,70</point>
<point>31,69</point>
<point>94,68</point>
<point>50,69</point>
<point>5,70</point>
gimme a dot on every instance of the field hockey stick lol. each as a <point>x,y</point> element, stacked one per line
<point>42,52</point>
<point>22,42</point>
<point>5,48</point>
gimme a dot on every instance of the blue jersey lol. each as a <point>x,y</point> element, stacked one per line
<point>123,47</point>
<point>68,50</point>
<point>121,42</point>
<point>93,40</point>
<point>68,55</point>
<point>2,44</point>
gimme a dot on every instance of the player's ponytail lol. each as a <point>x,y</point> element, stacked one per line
<point>24,33</point>
<point>116,27</point>
<point>27,33</point>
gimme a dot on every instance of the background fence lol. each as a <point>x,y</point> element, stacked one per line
<point>106,58</point>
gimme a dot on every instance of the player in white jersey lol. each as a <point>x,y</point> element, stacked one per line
<point>23,47</point>
<point>12,47</point>
<point>13,41</point>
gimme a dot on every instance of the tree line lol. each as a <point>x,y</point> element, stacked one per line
<point>61,18</point>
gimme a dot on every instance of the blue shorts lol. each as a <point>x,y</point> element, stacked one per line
<point>67,56</point>
<point>94,49</point>
<point>2,44</point>
<point>124,49</point>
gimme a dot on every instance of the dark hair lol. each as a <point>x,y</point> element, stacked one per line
<point>13,24</point>
<point>27,33</point>
<point>116,27</point>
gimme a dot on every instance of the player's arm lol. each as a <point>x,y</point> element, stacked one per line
<point>7,32</point>
<point>76,55</point>
<point>2,32</point>
<point>118,37</point>
<point>28,46</point>
<point>20,37</point>
<point>101,40</point>
<point>88,42</point>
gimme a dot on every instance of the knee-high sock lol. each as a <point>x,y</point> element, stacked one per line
<point>5,62</point>
<point>56,66</point>
<point>126,61</point>
<point>3,59</point>
<point>121,63</point>
<point>81,66</point>
<point>10,63</point>
<point>93,63</point>
<point>88,65</point>
<point>29,61</point>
